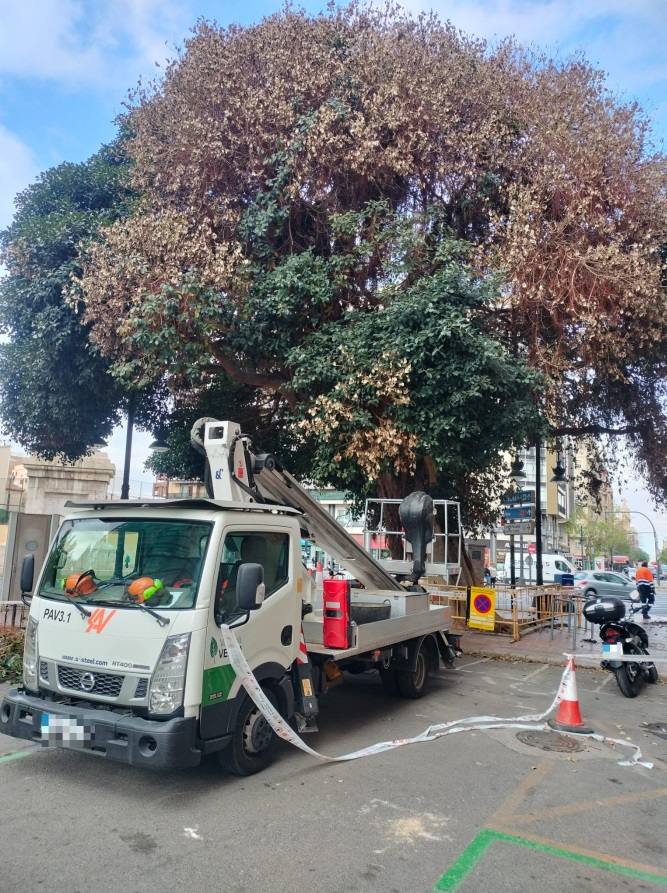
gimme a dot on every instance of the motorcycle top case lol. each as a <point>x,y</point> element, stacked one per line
<point>604,610</point>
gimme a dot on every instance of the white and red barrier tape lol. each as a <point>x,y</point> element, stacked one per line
<point>468,724</point>
<point>302,656</point>
<point>623,658</point>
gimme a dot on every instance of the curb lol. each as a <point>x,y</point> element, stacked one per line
<point>554,660</point>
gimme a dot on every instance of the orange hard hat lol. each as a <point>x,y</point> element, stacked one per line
<point>137,588</point>
<point>80,584</point>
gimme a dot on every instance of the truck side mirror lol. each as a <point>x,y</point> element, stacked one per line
<point>27,575</point>
<point>250,587</point>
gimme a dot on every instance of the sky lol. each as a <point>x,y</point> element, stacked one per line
<point>66,67</point>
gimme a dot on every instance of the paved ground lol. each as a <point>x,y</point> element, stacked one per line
<point>474,811</point>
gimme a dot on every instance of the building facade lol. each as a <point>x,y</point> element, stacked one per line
<point>177,488</point>
<point>33,495</point>
<point>558,504</point>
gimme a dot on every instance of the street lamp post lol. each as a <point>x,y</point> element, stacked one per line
<point>125,487</point>
<point>518,475</point>
<point>539,577</point>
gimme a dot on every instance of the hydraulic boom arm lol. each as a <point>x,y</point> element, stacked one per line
<point>238,475</point>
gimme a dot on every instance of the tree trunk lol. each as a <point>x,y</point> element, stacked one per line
<point>467,569</point>
<point>393,487</point>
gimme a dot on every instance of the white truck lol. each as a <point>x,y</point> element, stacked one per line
<point>124,656</point>
<point>552,564</point>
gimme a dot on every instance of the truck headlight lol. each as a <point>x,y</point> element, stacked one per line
<point>30,655</point>
<point>168,680</point>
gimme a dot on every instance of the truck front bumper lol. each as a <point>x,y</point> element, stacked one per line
<point>171,744</point>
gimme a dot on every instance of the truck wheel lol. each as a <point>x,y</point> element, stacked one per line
<point>413,684</point>
<point>253,741</point>
<point>389,680</point>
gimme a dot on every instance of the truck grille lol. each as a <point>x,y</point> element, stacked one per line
<point>43,670</point>
<point>107,684</point>
<point>142,688</point>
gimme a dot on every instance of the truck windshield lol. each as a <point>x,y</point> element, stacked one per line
<point>157,562</point>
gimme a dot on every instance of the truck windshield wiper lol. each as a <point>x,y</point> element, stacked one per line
<point>76,604</point>
<point>163,621</point>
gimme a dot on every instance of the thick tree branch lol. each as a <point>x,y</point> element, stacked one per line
<point>244,375</point>
<point>253,378</point>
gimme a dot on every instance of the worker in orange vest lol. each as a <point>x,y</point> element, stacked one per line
<point>644,580</point>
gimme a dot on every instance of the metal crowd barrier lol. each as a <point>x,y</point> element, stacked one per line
<point>519,610</point>
<point>13,615</point>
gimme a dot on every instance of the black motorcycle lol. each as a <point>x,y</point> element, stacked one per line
<point>621,637</point>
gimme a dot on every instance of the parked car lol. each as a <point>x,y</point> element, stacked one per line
<point>603,583</point>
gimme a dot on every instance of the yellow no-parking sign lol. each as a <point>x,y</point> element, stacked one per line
<point>482,608</point>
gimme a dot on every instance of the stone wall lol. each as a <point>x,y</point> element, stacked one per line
<point>51,484</point>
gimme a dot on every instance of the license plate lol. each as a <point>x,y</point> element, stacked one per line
<point>65,730</point>
<point>611,650</point>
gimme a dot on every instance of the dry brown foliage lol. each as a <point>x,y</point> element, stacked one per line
<point>534,163</point>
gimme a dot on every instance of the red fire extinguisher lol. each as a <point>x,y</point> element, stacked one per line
<point>336,598</point>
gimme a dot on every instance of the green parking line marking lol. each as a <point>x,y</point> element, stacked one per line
<point>466,861</point>
<point>478,846</point>
<point>19,754</point>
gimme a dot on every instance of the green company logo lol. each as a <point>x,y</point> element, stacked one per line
<point>214,647</point>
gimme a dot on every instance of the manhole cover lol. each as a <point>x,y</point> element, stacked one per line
<point>658,728</point>
<point>551,741</point>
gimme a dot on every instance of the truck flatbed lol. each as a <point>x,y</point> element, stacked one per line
<point>380,634</point>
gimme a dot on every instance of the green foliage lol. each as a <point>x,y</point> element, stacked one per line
<point>325,349</point>
<point>310,166</point>
<point>57,396</point>
<point>11,654</point>
<point>603,537</point>
<point>265,420</point>
<point>461,400</point>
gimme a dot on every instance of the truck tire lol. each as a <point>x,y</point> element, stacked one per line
<point>253,740</point>
<point>412,684</point>
<point>389,680</point>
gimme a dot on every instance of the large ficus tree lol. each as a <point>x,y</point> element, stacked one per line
<point>306,186</point>
<point>57,394</point>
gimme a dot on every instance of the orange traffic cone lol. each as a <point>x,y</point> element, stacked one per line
<point>568,718</point>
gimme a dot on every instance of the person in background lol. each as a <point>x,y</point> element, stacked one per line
<point>644,580</point>
<point>487,576</point>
